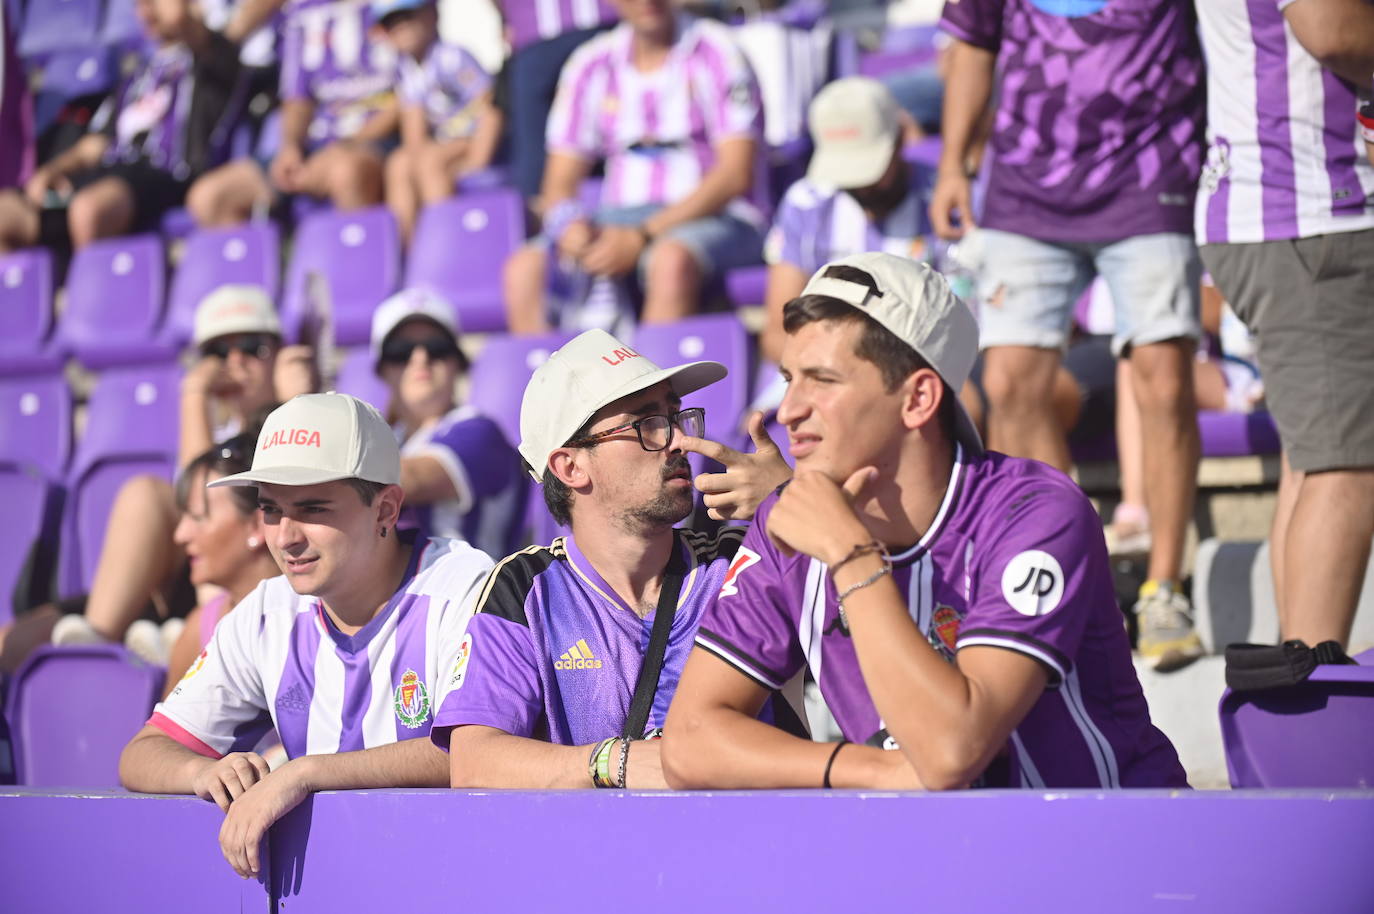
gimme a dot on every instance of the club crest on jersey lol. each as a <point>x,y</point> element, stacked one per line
<point>460,665</point>
<point>743,559</point>
<point>412,700</point>
<point>944,625</point>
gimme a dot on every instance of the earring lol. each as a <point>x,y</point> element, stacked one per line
<point>383,533</point>
<point>252,542</point>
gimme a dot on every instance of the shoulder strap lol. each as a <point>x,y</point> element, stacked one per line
<point>647,684</point>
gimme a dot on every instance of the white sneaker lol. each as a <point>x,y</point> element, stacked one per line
<point>74,629</point>
<point>144,639</point>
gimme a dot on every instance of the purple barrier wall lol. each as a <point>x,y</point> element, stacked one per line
<point>794,852</point>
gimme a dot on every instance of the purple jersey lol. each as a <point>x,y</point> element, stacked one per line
<point>176,111</point>
<point>553,652</point>
<point>328,59</point>
<point>489,511</point>
<point>445,85</point>
<point>1098,134</point>
<point>529,21</point>
<point>1014,559</point>
<point>657,131</point>
<point>817,224</point>
<point>1285,158</point>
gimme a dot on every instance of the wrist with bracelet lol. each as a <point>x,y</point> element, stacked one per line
<point>873,547</point>
<point>599,766</point>
<point>645,235</point>
<point>560,217</point>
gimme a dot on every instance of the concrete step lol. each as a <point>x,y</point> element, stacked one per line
<point>1184,705</point>
<point>1233,595</point>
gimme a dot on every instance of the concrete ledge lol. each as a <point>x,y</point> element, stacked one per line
<point>793,851</point>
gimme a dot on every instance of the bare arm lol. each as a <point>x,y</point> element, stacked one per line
<point>425,481</point>
<point>153,762</point>
<point>731,176</point>
<point>84,153</point>
<point>414,127</point>
<point>486,138</point>
<point>295,120</point>
<point>713,739</point>
<point>248,16</point>
<point>1339,33</point>
<point>184,651</point>
<point>785,282</point>
<point>488,757</point>
<point>197,386</point>
<point>968,92</point>
<point>563,176</point>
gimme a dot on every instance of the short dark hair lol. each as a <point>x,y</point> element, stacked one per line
<point>233,455</point>
<point>557,496</point>
<point>367,489</point>
<point>895,360</point>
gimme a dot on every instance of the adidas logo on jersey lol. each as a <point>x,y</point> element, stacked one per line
<point>577,657</point>
<point>294,699</point>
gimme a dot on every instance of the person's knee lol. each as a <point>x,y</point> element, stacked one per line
<point>399,166</point>
<point>355,179</point>
<point>672,265</point>
<point>1162,374</point>
<point>18,220</point>
<point>1019,379</point>
<point>99,211</point>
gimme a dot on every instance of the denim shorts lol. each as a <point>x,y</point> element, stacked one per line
<point>1028,288</point>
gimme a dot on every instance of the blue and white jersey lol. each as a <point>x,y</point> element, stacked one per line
<point>278,660</point>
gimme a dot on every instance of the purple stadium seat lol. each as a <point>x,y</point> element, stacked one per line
<point>719,337</point>
<point>459,248</point>
<point>926,152</point>
<point>72,73</point>
<point>26,312</point>
<point>359,255</point>
<point>490,177</point>
<point>115,293</point>
<point>901,49</point>
<point>501,371</point>
<point>121,26</point>
<point>1237,434</point>
<point>131,430</point>
<point>1319,733</point>
<point>213,258</point>
<point>747,285</point>
<point>356,377</point>
<point>36,423</point>
<point>71,711</point>
<point>56,24</point>
<point>32,505</point>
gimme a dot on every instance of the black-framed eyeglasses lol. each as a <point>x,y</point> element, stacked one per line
<point>398,351</point>
<point>655,432</point>
<point>257,345</point>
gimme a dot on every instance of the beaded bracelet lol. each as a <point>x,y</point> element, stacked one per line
<point>624,761</point>
<point>600,765</point>
<point>860,551</point>
<point>871,579</point>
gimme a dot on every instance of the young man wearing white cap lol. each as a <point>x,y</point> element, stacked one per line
<point>952,603</point>
<point>555,686</point>
<point>341,654</point>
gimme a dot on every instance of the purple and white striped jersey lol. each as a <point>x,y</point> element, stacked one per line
<point>657,131</point>
<point>1285,158</point>
<point>816,224</point>
<point>1098,131</point>
<point>553,652</point>
<point>489,511</point>
<point>278,660</point>
<point>327,58</point>
<point>529,21</point>
<point>1014,559</point>
<point>445,85</point>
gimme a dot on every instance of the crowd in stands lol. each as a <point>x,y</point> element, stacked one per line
<point>1058,224</point>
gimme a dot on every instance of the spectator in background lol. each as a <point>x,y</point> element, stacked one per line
<point>671,107</point>
<point>1285,212</point>
<point>341,653</point>
<point>165,127</point>
<point>447,127</point>
<point>16,108</point>
<point>462,479</point>
<point>242,370</point>
<point>338,120</point>
<point>1367,127</point>
<point>541,37</point>
<point>1105,191</point>
<point>225,542</point>
<point>546,677</point>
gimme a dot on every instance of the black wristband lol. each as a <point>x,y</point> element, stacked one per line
<point>825,782</point>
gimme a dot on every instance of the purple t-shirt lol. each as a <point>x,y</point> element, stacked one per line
<point>445,85</point>
<point>1014,559</point>
<point>1098,133</point>
<point>327,58</point>
<point>553,652</point>
<point>489,511</point>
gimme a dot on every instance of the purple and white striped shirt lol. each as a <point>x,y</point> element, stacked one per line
<point>1285,158</point>
<point>538,20</point>
<point>657,131</point>
<point>277,660</point>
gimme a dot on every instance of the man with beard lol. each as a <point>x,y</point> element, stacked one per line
<point>554,685</point>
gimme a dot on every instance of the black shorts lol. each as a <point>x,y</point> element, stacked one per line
<point>155,191</point>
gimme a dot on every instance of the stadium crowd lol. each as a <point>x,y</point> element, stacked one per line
<point>1124,211</point>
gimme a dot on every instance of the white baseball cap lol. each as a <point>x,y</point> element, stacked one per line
<point>915,303</point>
<point>589,372</point>
<point>234,309</point>
<point>317,438</point>
<point>401,307</point>
<point>854,125</point>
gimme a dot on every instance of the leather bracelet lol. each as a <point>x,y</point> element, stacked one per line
<point>859,551</point>
<point>624,761</point>
<point>825,782</point>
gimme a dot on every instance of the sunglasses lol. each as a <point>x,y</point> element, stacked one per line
<point>398,351</point>
<point>257,345</point>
